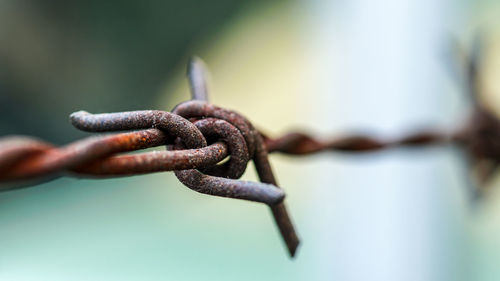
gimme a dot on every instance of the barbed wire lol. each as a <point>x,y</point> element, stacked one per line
<point>199,136</point>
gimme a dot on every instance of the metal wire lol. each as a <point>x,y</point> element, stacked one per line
<point>298,143</point>
<point>198,136</point>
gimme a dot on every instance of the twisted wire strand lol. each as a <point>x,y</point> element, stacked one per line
<point>299,143</point>
<point>24,158</point>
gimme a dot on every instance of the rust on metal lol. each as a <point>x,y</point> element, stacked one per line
<point>298,143</point>
<point>186,132</point>
<point>156,161</point>
<point>199,136</point>
<point>51,160</point>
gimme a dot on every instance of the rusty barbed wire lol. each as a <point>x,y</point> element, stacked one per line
<point>198,136</point>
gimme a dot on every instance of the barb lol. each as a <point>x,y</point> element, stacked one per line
<point>256,149</point>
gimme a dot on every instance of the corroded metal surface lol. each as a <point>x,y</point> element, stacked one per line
<point>199,136</point>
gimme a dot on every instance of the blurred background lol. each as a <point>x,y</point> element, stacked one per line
<point>330,67</point>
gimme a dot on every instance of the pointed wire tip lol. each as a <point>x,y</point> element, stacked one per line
<point>76,118</point>
<point>195,61</point>
<point>293,250</point>
<point>197,75</point>
<point>78,114</point>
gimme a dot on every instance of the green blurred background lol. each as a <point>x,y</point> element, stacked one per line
<point>329,66</point>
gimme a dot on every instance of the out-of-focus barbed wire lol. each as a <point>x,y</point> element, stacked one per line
<point>479,136</point>
<point>199,136</point>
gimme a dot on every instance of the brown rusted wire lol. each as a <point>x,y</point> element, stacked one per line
<point>23,158</point>
<point>298,143</point>
<point>199,135</point>
<point>200,139</point>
